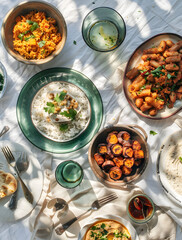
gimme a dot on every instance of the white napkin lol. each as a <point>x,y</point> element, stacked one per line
<point>80,200</point>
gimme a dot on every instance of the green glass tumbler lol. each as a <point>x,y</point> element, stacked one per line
<point>103,29</point>
<point>69,174</point>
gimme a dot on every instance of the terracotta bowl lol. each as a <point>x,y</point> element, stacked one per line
<point>136,171</point>
<point>135,60</point>
<point>22,9</point>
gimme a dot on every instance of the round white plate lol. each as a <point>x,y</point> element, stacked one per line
<point>170,150</point>
<point>33,179</point>
<point>123,221</point>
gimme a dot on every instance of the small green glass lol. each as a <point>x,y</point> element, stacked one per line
<point>103,29</point>
<point>69,174</point>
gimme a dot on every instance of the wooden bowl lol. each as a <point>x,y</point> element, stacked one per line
<point>22,9</point>
<point>136,171</point>
<point>135,60</point>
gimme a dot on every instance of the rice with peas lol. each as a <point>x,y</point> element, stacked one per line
<point>35,35</point>
<point>50,129</point>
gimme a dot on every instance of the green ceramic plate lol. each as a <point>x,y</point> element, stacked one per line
<point>27,94</point>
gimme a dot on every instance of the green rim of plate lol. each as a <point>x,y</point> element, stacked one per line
<point>30,89</point>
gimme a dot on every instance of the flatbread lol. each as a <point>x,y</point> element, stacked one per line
<point>8,184</point>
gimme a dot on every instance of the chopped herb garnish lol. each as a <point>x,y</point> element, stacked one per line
<point>174,65</point>
<point>169,76</point>
<point>103,225</point>
<point>41,43</point>
<point>71,113</point>
<point>163,66</point>
<point>148,59</point>
<point>180,158</point>
<point>157,72</point>
<point>27,38</point>
<point>34,26</point>
<point>60,97</point>
<point>143,87</point>
<point>63,126</point>
<point>20,36</point>
<point>152,132</point>
<point>50,107</point>
<point>158,98</point>
<point>94,228</point>
<point>29,22</point>
<point>74,42</point>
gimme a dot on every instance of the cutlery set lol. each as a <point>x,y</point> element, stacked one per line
<point>21,165</point>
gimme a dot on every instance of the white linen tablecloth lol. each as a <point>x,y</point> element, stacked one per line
<point>143,19</point>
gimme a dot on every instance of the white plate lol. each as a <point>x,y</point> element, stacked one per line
<point>169,147</point>
<point>33,178</point>
<point>127,224</point>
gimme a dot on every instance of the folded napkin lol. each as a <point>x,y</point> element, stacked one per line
<point>42,223</point>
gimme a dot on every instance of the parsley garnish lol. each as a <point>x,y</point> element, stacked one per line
<point>20,36</point>
<point>71,113</point>
<point>29,22</point>
<point>103,225</point>
<point>174,65</point>
<point>27,38</point>
<point>34,26</point>
<point>152,132</point>
<point>74,42</point>
<point>63,126</point>
<point>157,72</point>
<point>158,98</point>
<point>50,107</point>
<point>60,97</point>
<point>180,158</point>
<point>41,43</point>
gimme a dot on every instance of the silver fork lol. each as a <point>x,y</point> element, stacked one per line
<point>11,161</point>
<point>95,206</point>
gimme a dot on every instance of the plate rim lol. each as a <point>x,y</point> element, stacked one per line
<point>167,192</point>
<point>124,81</point>
<point>60,69</point>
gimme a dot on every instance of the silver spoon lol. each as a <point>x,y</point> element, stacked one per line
<point>4,130</point>
<point>22,165</point>
<point>58,204</point>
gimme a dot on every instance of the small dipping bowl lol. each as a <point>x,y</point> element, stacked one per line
<point>103,29</point>
<point>69,174</point>
<point>3,82</point>
<point>136,215</point>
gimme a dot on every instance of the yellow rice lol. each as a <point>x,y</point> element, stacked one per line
<point>38,43</point>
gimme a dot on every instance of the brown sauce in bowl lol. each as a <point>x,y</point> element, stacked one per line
<point>141,214</point>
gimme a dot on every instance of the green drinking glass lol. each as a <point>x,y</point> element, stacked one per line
<point>69,174</point>
<point>103,29</point>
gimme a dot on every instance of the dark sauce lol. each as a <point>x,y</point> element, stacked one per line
<point>147,208</point>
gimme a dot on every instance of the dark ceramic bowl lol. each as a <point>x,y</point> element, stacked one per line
<point>135,60</point>
<point>22,9</point>
<point>136,171</point>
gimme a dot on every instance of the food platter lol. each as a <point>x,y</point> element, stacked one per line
<point>169,166</point>
<point>119,219</point>
<point>30,89</point>
<point>135,60</point>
